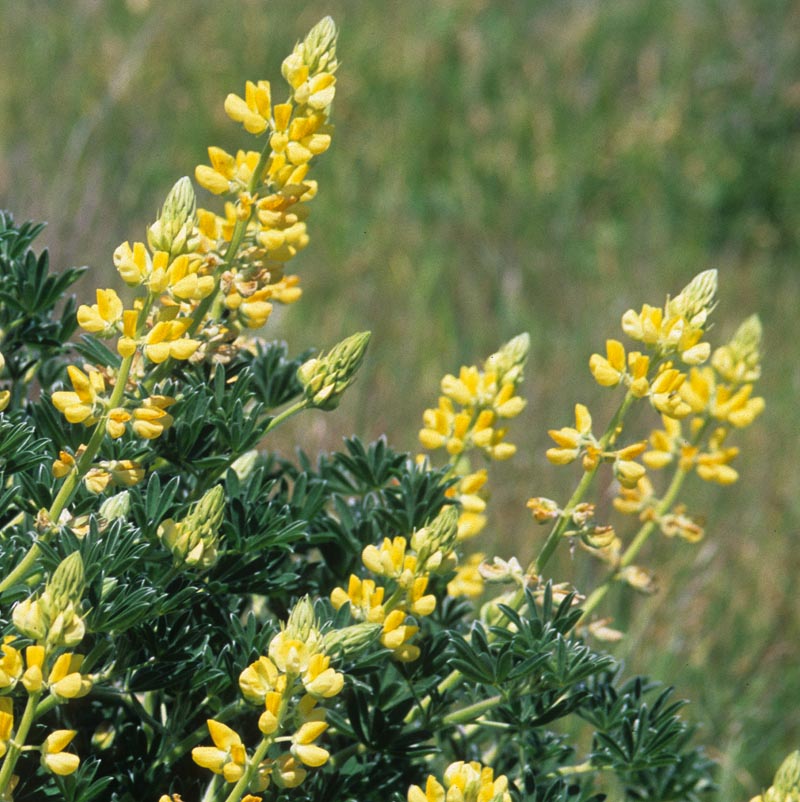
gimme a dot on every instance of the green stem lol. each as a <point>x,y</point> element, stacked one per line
<point>641,537</point>
<point>211,789</point>
<point>244,781</point>
<point>471,712</point>
<point>636,544</point>
<point>15,745</point>
<point>285,415</point>
<point>557,532</point>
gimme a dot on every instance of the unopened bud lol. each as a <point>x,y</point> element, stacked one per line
<point>319,47</point>
<point>194,540</point>
<point>175,225</point>
<point>696,299</point>
<point>739,361</point>
<point>438,537</point>
<point>509,361</point>
<point>326,377</point>
<point>66,585</point>
<point>787,778</point>
<point>117,506</point>
<point>245,465</point>
<point>351,640</point>
<point>302,623</point>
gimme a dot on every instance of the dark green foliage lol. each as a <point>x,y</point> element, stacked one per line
<point>166,642</point>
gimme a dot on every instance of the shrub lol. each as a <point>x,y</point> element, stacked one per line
<point>190,616</point>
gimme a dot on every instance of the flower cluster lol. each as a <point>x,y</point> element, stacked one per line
<point>297,665</point>
<point>463,782</point>
<point>53,622</point>
<point>470,407</point>
<point>408,566</point>
<point>270,189</point>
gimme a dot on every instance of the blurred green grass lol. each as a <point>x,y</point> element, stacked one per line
<point>497,167</point>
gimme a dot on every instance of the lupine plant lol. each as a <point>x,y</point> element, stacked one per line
<point>188,616</point>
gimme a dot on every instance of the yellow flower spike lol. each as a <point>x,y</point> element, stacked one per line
<point>54,758</point>
<point>609,371</point>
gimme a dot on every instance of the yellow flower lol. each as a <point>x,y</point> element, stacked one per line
<point>254,110</point>
<point>390,560</point>
<point>227,757</point>
<point>150,420</point>
<point>54,758</point>
<point>571,441</point>
<point>397,634</point>
<point>227,173</point>
<point>258,679</point>
<point>303,747</point>
<point>463,782</point>
<point>320,680</point>
<point>65,680</point>
<point>434,791</point>
<point>102,316</point>
<point>665,395</point>
<point>365,598</point>
<point>6,722</point>
<point>609,371</point>
<point>80,406</point>
<point>166,340</point>
<point>468,580</point>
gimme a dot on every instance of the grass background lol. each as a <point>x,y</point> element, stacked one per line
<point>498,166</point>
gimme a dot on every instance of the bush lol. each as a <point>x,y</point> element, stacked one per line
<point>189,615</point>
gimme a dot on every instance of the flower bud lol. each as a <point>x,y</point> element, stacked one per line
<point>351,640</point>
<point>66,585</point>
<point>436,539</point>
<point>696,299</point>
<point>117,506</point>
<point>319,47</point>
<point>302,623</point>
<point>193,541</point>
<point>175,225</point>
<point>325,378</point>
<point>509,361</point>
<point>739,361</point>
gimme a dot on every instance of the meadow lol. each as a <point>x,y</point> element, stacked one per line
<point>498,167</point>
